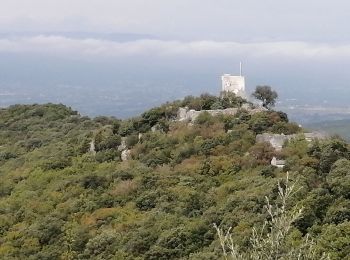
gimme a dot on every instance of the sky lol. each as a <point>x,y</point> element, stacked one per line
<point>294,29</point>
<point>301,48</point>
<point>221,20</point>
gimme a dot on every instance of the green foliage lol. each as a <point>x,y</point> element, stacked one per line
<point>335,240</point>
<point>132,140</point>
<point>102,246</point>
<point>271,241</point>
<point>106,139</point>
<point>268,171</point>
<point>271,121</point>
<point>208,102</point>
<point>205,118</point>
<point>107,156</point>
<point>328,153</point>
<point>59,200</point>
<point>147,201</point>
<point>339,178</point>
<point>262,152</point>
<point>266,95</point>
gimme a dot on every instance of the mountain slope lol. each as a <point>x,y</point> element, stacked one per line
<point>60,201</point>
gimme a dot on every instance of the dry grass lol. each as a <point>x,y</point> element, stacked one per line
<point>124,188</point>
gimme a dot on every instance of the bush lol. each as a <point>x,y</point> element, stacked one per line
<point>102,246</point>
<point>273,244</point>
<point>335,239</point>
<point>107,156</point>
<point>147,201</point>
<point>94,182</point>
<point>105,139</point>
<point>132,140</point>
<point>58,163</point>
<point>268,171</point>
<point>339,178</point>
<point>205,118</point>
<point>7,155</point>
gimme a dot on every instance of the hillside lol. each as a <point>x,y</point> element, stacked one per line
<point>60,200</point>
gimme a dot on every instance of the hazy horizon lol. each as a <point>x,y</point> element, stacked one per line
<point>119,58</point>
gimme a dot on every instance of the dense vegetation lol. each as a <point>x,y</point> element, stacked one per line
<point>60,201</point>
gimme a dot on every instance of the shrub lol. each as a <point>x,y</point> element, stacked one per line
<point>94,182</point>
<point>273,244</point>
<point>132,140</point>
<point>205,118</point>
<point>107,156</point>
<point>147,201</point>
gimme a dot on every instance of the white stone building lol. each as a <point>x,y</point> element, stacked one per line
<point>278,163</point>
<point>235,84</point>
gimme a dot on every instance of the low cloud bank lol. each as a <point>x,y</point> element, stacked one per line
<point>59,45</point>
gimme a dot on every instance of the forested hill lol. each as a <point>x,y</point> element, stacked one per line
<point>60,200</point>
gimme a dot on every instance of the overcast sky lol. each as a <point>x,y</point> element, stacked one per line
<point>221,20</point>
<point>293,45</point>
<point>291,28</point>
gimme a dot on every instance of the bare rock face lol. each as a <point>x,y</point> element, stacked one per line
<point>92,147</point>
<point>315,135</point>
<point>277,140</point>
<point>123,145</point>
<point>126,155</point>
<point>246,106</point>
<point>186,114</point>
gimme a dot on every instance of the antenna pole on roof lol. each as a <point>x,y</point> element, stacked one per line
<point>240,68</point>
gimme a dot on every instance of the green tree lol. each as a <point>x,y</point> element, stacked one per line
<point>229,99</point>
<point>274,243</point>
<point>266,95</point>
<point>339,178</point>
<point>335,239</point>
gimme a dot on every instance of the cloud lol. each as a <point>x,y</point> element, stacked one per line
<point>99,48</point>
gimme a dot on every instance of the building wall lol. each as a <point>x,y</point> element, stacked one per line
<point>186,114</point>
<point>277,140</point>
<point>235,84</point>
